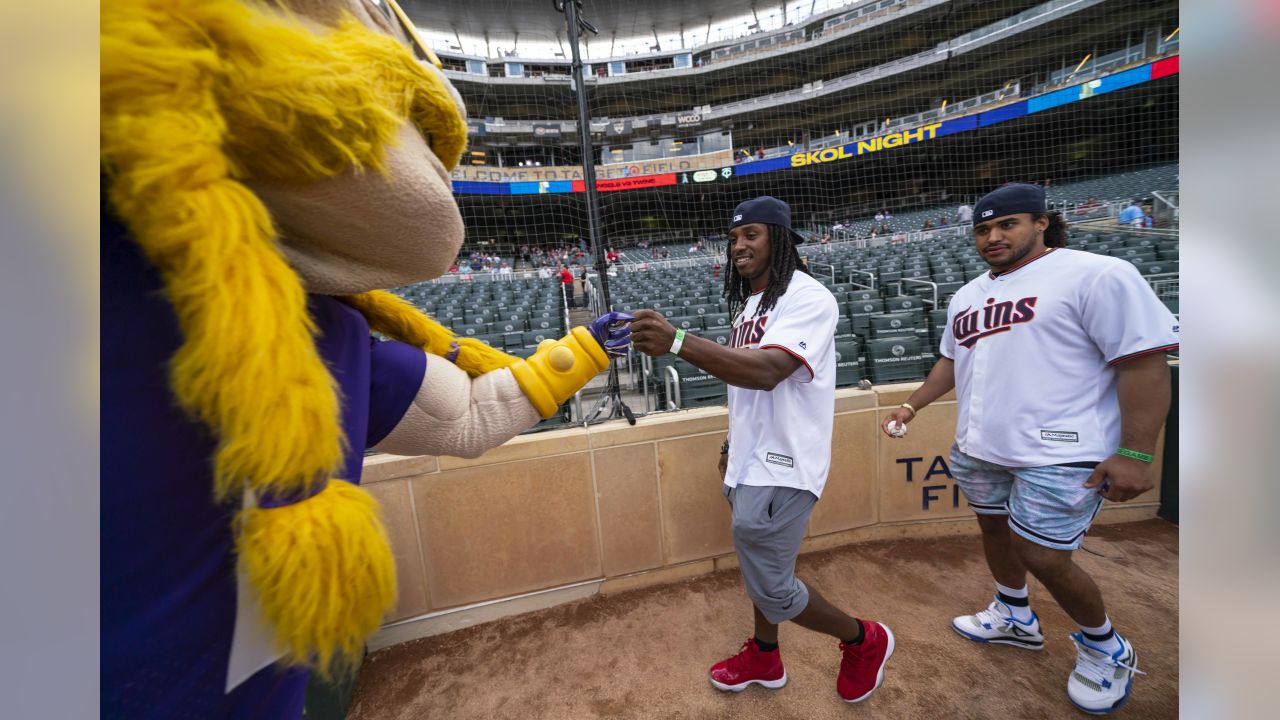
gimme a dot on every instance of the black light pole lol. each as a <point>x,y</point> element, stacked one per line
<point>575,21</point>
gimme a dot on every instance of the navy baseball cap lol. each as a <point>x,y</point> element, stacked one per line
<point>765,210</point>
<point>1009,199</point>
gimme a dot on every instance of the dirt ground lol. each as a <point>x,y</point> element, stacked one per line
<point>645,654</point>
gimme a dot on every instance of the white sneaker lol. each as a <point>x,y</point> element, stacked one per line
<point>996,624</point>
<point>1101,681</point>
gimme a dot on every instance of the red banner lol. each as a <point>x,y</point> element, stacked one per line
<point>1162,68</point>
<point>632,183</point>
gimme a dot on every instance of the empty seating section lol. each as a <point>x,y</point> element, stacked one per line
<point>511,315</point>
<point>1113,188</point>
<point>886,333</point>
<point>889,333</point>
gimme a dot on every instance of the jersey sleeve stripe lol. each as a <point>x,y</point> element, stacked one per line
<point>1142,353</point>
<point>792,354</point>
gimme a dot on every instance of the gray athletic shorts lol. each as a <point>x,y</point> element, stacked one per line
<point>768,525</point>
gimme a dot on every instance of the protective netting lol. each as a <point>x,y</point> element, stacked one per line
<point>879,122</point>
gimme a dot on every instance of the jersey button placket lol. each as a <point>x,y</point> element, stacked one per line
<point>978,381</point>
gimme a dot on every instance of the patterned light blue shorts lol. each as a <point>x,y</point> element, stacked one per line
<point>1049,505</point>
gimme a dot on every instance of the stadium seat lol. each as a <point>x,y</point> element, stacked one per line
<point>687,322</point>
<point>699,388</point>
<point>897,359</point>
<point>720,336</point>
<point>889,324</point>
<point>1156,267</point>
<point>866,307</point>
<point>470,329</point>
<point>531,338</point>
<point>717,320</point>
<point>848,368</point>
<point>902,302</point>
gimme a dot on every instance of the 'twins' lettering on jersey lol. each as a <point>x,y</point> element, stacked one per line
<point>995,318</point>
<point>748,333</point>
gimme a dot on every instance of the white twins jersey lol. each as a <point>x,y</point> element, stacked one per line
<point>783,436</point>
<point>1035,350</point>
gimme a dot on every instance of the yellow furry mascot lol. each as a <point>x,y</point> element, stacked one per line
<point>266,169</point>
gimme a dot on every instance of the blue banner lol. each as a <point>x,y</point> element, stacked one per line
<point>957,125</point>
<point>999,115</point>
<point>759,166</point>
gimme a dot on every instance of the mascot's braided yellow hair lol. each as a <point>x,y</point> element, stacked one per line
<point>197,96</point>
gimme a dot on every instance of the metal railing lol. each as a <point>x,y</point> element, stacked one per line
<point>831,269</point>
<point>874,284</point>
<point>932,285</point>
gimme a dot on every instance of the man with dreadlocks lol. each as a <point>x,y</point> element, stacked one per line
<point>780,366</point>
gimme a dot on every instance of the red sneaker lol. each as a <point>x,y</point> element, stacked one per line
<point>751,665</point>
<point>862,668</point>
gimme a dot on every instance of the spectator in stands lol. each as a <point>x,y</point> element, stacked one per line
<point>715,270</point>
<point>760,154</point>
<point>611,256</point>
<point>964,214</point>
<point>928,225</point>
<point>888,215</point>
<point>826,239</point>
<point>1088,206</point>
<point>943,221</point>
<point>1147,220</point>
<point>880,216</point>
<point>1131,215</point>
<point>566,281</point>
<point>665,253</point>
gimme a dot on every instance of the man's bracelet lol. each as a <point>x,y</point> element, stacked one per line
<point>679,341</point>
<point>908,406</point>
<point>1135,455</point>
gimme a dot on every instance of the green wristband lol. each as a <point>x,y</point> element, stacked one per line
<point>679,341</point>
<point>1135,455</point>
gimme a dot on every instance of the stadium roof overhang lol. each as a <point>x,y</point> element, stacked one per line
<point>539,21</point>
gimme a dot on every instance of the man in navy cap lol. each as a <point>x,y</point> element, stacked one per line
<point>1058,361</point>
<point>780,368</point>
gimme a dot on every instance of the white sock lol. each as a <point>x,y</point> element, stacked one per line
<point>1021,613</point>
<point>1103,637</point>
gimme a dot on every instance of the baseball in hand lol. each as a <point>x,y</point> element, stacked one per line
<point>897,429</point>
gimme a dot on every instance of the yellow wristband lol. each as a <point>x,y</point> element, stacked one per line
<point>908,406</point>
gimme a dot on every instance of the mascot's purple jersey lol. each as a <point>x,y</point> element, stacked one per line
<point>168,570</point>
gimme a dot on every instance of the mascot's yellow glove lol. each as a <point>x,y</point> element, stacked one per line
<point>559,369</point>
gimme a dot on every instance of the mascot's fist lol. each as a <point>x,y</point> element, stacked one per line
<point>613,332</point>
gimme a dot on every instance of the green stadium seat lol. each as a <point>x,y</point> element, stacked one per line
<point>699,388</point>
<point>848,367</point>
<point>1156,267</point>
<point>902,302</point>
<point>687,322</point>
<point>717,320</point>
<point>897,359</point>
<point>509,326</point>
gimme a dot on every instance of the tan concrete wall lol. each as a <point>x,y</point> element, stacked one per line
<point>626,506</point>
